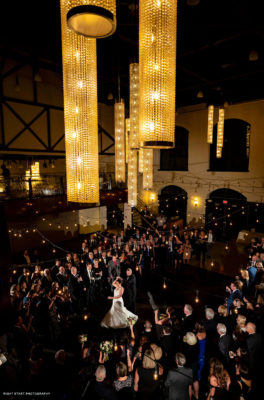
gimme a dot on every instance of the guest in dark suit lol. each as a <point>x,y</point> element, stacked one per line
<point>235,293</point>
<point>76,289</point>
<point>210,243</point>
<point>46,280</point>
<point>168,345</point>
<point>189,321</point>
<point>145,217</point>
<point>89,282</point>
<point>179,380</point>
<point>170,252</point>
<point>99,389</point>
<point>114,269</point>
<point>98,274</point>
<point>254,345</point>
<point>55,269</point>
<point>61,277</point>
<point>224,343</point>
<point>210,325</point>
<point>130,293</point>
<point>25,277</point>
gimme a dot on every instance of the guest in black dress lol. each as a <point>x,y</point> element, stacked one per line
<point>146,382</point>
<point>191,350</point>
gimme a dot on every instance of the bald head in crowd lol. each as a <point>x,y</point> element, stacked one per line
<point>251,328</point>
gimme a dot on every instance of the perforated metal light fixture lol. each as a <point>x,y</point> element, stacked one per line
<point>147,169</point>
<point>220,133</point>
<point>92,18</point>
<point>132,178</point>
<point>210,126</point>
<point>134,104</point>
<point>157,72</point>
<point>80,112</point>
<point>120,163</point>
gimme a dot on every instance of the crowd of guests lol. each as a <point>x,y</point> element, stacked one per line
<point>54,343</point>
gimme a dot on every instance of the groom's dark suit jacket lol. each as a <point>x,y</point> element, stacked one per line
<point>114,270</point>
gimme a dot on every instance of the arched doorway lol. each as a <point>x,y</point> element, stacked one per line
<point>173,202</point>
<point>226,213</point>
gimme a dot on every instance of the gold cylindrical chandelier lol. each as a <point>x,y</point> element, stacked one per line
<point>80,112</point>
<point>120,162</point>
<point>220,133</point>
<point>132,178</point>
<point>147,169</point>
<point>134,104</point>
<point>127,137</point>
<point>210,127</point>
<point>141,160</point>
<point>157,72</point>
<point>92,18</point>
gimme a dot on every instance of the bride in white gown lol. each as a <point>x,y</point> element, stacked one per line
<point>117,316</point>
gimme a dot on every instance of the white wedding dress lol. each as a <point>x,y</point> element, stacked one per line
<point>118,314</point>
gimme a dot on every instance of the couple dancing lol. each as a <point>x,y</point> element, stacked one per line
<point>117,316</point>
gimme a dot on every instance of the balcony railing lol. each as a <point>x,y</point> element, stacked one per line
<point>18,186</point>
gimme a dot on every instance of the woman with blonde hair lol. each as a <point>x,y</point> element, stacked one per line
<point>191,350</point>
<point>146,381</point>
<point>240,334</point>
<point>222,316</point>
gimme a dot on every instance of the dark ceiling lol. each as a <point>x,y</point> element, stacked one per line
<point>214,39</point>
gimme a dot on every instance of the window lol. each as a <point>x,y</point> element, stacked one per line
<point>176,159</point>
<point>235,153</point>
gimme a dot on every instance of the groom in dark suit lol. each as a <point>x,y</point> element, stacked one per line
<point>130,293</point>
<point>114,269</point>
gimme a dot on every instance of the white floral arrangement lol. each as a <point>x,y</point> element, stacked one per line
<point>131,320</point>
<point>107,348</point>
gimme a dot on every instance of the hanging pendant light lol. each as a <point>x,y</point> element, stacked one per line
<point>92,18</point>
<point>141,160</point>
<point>120,164</point>
<point>157,72</point>
<point>80,112</point>
<point>220,133</point>
<point>147,169</point>
<point>134,104</point>
<point>132,178</point>
<point>210,126</point>
<point>35,175</point>
<point>127,137</point>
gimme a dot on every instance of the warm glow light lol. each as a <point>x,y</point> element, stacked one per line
<point>140,160</point>
<point>147,169</point>
<point>220,133</point>
<point>210,126</point>
<point>127,137</point>
<point>92,18</point>
<point>132,178</point>
<point>120,163</point>
<point>149,197</point>
<point>80,111</point>
<point>35,171</point>
<point>134,105</point>
<point>196,201</point>
<point>157,72</point>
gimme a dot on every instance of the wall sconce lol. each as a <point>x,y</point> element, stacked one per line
<point>152,197</point>
<point>196,202</point>
<point>149,197</point>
